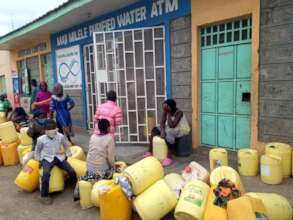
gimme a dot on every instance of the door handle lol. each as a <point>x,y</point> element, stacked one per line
<point>245,96</point>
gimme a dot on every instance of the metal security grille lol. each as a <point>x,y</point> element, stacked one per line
<point>132,62</point>
<point>90,83</point>
<point>226,33</point>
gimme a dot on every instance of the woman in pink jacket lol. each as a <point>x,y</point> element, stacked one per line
<point>110,111</point>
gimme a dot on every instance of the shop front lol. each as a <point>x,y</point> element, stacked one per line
<point>129,51</point>
<point>33,62</point>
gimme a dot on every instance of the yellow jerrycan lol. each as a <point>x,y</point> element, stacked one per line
<point>151,123</point>
<point>8,133</point>
<point>85,189</point>
<point>24,138</point>
<point>245,208</point>
<point>1,160</point>
<point>248,162</point>
<point>214,212</point>
<point>271,169</point>
<point>283,151</point>
<point>114,204</point>
<point>160,148</point>
<point>218,157</point>
<point>79,166</point>
<point>56,183</point>
<point>144,173</point>
<point>9,153</point>
<point>95,191</point>
<point>175,182</point>
<point>3,117</point>
<point>21,149</point>
<point>155,202</point>
<point>224,172</point>
<point>192,201</point>
<point>28,178</point>
<point>77,153</point>
<point>277,206</point>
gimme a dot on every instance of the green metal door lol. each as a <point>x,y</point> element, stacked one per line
<point>225,84</point>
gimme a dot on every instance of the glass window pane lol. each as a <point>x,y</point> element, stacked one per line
<point>150,94</point>
<point>244,34</point>
<point>118,37</point>
<point>138,35</point>
<point>99,38</point>
<point>121,85</point>
<point>236,36</point>
<point>110,62</point>
<point>132,122</point>
<point>129,66</point>
<point>123,106</point>
<point>141,110</point>
<point>124,134</point>
<point>138,54</point>
<point>119,55</point>
<point>149,65</point>
<point>159,52</point>
<point>208,40</point>
<point>159,32</point>
<point>160,81</point>
<point>128,41</point>
<point>148,39</point>
<point>131,96</point>
<point>140,82</point>
<point>142,133</point>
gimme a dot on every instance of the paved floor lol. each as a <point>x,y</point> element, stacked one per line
<point>17,205</point>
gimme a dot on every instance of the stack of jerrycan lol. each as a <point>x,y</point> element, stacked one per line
<point>9,143</point>
<point>25,146</point>
<point>154,198</point>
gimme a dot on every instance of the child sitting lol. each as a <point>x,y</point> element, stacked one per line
<point>101,154</point>
<point>50,153</point>
<point>37,126</point>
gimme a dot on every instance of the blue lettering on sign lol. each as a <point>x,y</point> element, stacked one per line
<point>142,13</point>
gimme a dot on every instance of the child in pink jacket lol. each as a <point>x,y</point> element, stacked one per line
<point>110,111</point>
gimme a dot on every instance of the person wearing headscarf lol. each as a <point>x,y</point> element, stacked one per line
<point>61,104</point>
<point>43,99</point>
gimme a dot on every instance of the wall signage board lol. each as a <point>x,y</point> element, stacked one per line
<point>68,67</point>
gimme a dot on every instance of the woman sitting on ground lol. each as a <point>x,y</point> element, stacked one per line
<point>101,154</point>
<point>173,125</point>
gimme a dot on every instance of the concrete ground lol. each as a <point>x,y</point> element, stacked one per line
<point>18,205</point>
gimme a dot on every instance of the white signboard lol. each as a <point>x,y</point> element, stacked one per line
<point>68,67</point>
